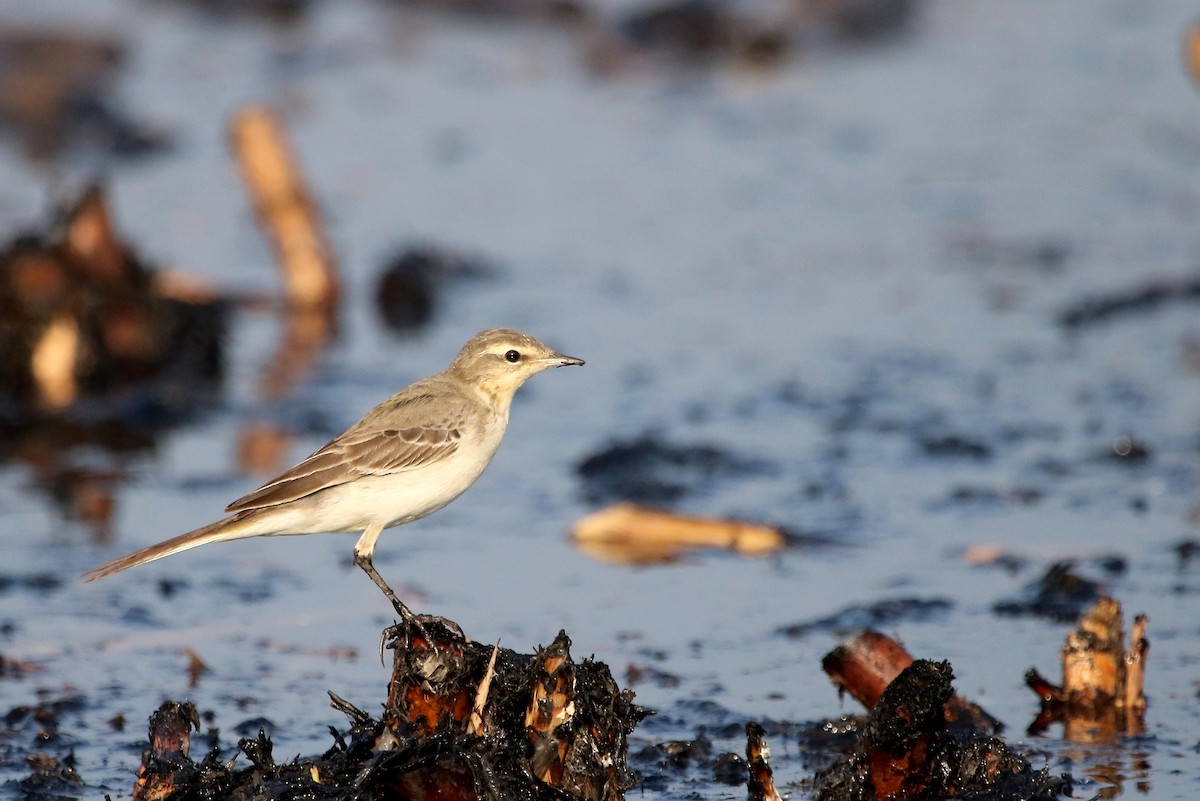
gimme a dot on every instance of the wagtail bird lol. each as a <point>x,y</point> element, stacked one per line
<point>408,457</point>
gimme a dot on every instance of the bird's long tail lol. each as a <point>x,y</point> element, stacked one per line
<point>231,528</point>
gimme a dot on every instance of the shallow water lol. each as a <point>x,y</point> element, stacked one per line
<point>821,267</point>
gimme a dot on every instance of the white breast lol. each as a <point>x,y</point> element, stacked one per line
<point>409,495</point>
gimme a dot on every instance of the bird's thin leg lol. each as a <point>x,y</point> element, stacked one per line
<point>363,550</point>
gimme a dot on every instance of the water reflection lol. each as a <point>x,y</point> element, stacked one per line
<point>1113,770</point>
<point>62,456</point>
<point>304,335</point>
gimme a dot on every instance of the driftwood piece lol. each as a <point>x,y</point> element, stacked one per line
<point>865,665</point>
<point>905,752</point>
<point>284,208</point>
<point>1102,693</point>
<point>630,534</point>
<point>463,721</point>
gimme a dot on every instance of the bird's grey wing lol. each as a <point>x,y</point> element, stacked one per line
<point>423,434</point>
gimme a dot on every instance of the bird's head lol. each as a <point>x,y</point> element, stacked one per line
<point>498,361</point>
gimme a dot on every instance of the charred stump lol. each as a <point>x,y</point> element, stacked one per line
<point>906,752</point>
<point>462,721</point>
<point>865,665</point>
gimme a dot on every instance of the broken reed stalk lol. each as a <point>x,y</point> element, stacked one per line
<point>284,208</point>
<point>475,724</point>
<point>760,783</point>
<point>1135,671</point>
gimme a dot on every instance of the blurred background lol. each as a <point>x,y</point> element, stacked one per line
<point>911,280</point>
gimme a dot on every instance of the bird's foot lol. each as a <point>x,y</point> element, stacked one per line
<point>406,615</point>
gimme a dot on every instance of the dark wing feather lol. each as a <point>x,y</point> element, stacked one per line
<point>371,447</point>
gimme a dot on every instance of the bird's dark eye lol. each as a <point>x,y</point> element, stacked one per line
<point>512,356</point>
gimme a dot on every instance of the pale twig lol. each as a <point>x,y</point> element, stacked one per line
<point>475,724</point>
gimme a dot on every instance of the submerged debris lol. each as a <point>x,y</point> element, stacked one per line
<point>982,495</point>
<point>691,29</point>
<point>651,470</point>
<point>41,735</point>
<point>1061,594</point>
<point>51,778</point>
<point>954,446</point>
<point>881,613</point>
<point>906,752</point>
<point>861,20</point>
<point>406,295</point>
<point>462,721</point>
<point>1143,299</point>
<point>1102,692</point>
<point>566,11</point>
<point>702,32</point>
<point>283,12</point>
